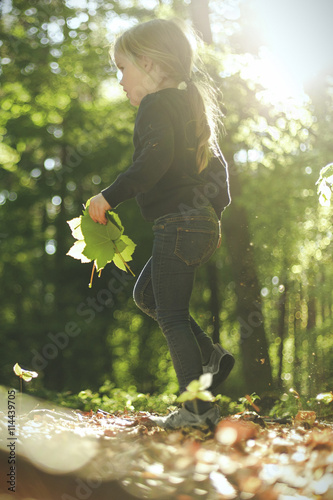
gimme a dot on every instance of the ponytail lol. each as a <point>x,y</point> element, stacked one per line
<point>202,128</point>
<point>207,114</point>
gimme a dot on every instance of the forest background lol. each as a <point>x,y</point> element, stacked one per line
<point>66,130</point>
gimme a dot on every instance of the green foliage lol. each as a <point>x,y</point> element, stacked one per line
<point>325,397</point>
<point>325,185</point>
<point>100,243</point>
<point>112,399</point>
<point>288,405</point>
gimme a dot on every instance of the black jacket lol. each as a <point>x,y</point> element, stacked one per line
<point>163,176</point>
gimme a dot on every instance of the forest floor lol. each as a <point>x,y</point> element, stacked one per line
<point>64,454</point>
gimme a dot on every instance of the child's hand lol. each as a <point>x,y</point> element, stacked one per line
<point>97,208</point>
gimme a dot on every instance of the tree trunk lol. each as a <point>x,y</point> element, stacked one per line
<point>200,19</point>
<point>297,343</point>
<point>281,332</point>
<point>312,351</point>
<point>256,363</point>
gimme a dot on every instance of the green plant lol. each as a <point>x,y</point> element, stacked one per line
<point>248,401</point>
<point>25,375</point>
<point>197,389</point>
<point>291,403</point>
<point>326,398</point>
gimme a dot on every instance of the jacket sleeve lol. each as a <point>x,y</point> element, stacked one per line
<point>154,151</point>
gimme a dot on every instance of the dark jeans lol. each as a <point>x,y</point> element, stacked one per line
<point>163,289</point>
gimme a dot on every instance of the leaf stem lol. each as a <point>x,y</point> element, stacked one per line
<point>195,403</point>
<point>122,258</point>
<point>92,275</point>
<point>127,266</point>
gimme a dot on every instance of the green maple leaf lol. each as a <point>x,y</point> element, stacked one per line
<point>99,240</point>
<point>115,219</point>
<point>124,255</point>
<point>76,251</point>
<point>100,243</point>
<point>75,225</point>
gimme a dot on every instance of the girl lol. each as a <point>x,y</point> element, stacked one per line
<point>180,180</point>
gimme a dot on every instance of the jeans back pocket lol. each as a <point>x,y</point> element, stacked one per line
<point>195,246</point>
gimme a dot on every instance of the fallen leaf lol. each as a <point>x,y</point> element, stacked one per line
<point>305,417</point>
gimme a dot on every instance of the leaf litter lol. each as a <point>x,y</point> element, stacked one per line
<point>245,457</point>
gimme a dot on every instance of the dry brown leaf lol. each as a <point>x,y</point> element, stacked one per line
<point>305,417</point>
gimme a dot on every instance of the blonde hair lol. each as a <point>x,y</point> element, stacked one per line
<point>168,45</point>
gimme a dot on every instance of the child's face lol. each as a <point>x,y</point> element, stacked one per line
<point>136,82</point>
